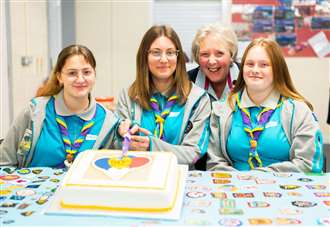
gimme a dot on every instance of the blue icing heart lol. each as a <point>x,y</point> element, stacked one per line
<point>102,163</point>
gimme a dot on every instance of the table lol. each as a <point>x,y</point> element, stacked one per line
<point>211,198</point>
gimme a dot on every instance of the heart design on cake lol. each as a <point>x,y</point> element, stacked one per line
<point>111,169</point>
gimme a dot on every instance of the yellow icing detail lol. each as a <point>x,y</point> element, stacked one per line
<point>128,209</point>
<point>118,163</point>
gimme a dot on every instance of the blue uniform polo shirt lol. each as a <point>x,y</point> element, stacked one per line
<point>172,124</point>
<point>49,149</point>
<point>273,145</point>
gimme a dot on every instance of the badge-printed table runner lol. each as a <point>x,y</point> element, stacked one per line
<point>211,198</point>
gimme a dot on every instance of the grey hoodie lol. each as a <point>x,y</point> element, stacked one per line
<point>301,129</point>
<point>197,112</point>
<point>28,125</point>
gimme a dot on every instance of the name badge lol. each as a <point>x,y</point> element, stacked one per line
<point>271,124</point>
<point>91,137</point>
<point>174,114</point>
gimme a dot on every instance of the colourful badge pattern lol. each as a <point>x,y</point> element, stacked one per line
<point>327,202</point>
<point>300,203</point>
<point>289,186</point>
<point>272,194</point>
<point>260,221</point>
<point>24,196</point>
<point>9,177</point>
<point>221,175</point>
<point>221,181</point>
<point>304,179</point>
<point>24,171</point>
<point>287,221</point>
<point>316,187</point>
<point>230,222</point>
<point>243,195</point>
<point>323,221</point>
<point>227,187</point>
<point>322,194</point>
<point>195,194</point>
<point>294,193</point>
<point>291,211</point>
<point>265,181</point>
<point>219,195</point>
<point>258,204</point>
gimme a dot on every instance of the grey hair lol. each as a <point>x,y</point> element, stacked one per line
<point>222,32</point>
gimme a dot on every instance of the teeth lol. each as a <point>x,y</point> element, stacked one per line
<point>213,69</point>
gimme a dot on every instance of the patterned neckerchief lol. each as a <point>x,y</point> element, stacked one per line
<point>160,115</point>
<point>255,132</point>
<point>72,148</point>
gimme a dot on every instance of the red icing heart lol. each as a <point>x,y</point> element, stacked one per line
<point>138,161</point>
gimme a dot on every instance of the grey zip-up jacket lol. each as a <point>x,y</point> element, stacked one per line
<point>194,131</point>
<point>29,124</point>
<point>300,127</point>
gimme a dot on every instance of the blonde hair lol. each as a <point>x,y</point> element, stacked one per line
<point>141,89</point>
<point>52,85</point>
<point>282,79</point>
<point>222,32</point>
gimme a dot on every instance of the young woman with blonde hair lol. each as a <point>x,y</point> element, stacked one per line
<point>265,124</point>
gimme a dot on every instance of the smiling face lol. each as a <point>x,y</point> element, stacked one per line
<point>214,59</point>
<point>77,77</point>
<point>257,71</point>
<point>162,60</point>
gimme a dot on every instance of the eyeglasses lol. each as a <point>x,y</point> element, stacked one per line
<point>158,54</point>
<point>74,74</point>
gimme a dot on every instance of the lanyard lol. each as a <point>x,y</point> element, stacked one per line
<point>160,116</point>
<point>229,82</point>
<point>255,132</point>
<point>72,148</point>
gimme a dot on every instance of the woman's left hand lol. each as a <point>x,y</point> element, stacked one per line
<point>140,143</point>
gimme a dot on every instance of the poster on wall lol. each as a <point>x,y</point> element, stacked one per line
<point>300,27</point>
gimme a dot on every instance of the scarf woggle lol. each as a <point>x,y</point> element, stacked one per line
<point>255,132</point>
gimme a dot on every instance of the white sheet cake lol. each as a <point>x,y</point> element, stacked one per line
<point>149,184</point>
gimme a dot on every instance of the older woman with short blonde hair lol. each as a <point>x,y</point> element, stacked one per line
<point>214,48</point>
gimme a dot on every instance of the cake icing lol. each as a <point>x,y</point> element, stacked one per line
<point>149,183</point>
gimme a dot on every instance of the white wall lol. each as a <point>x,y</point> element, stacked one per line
<point>29,38</point>
<point>4,95</point>
<point>311,77</point>
<point>113,31</point>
